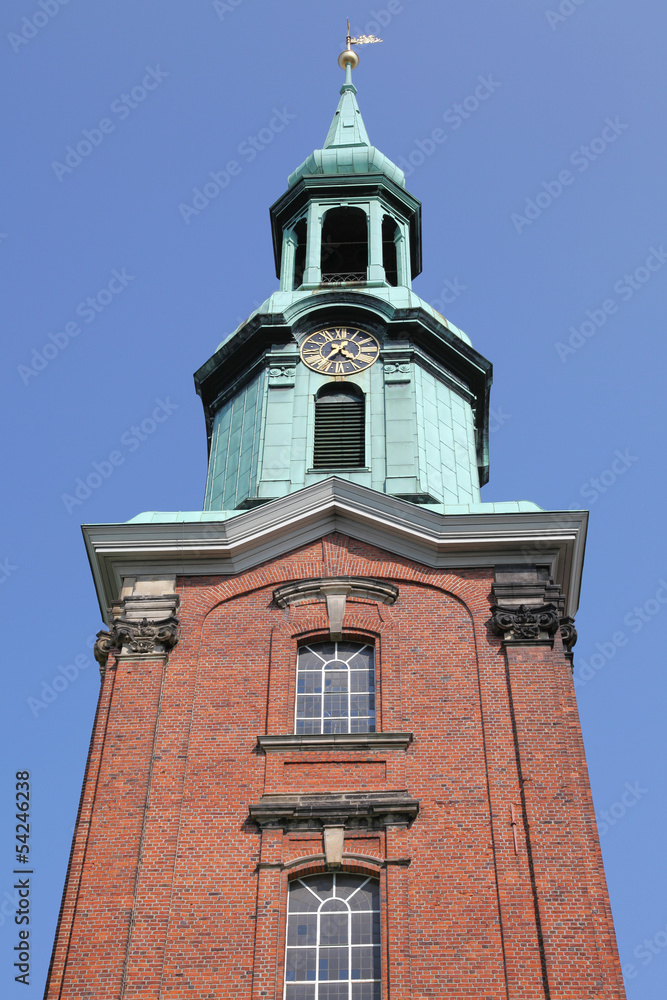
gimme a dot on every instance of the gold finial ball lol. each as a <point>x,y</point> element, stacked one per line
<point>348,56</point>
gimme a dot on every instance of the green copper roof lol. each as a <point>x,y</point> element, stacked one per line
<point>347,148</point>
<point>347,127</point>
<point>289,304</point>
<point>449,510</point>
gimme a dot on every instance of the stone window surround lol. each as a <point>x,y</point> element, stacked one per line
<point>334,593</point>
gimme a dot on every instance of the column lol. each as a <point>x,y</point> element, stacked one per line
<point>313,272</point>
<point>402,255</point>
<point>287,263</point>
<point>375,264</point>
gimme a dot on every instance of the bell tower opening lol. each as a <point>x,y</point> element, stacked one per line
<point>300,232</point>
<point>339,427</point>
<point>344,245</point>
<point>390,232</point>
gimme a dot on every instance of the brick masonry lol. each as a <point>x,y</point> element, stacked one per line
<point>173,891</point>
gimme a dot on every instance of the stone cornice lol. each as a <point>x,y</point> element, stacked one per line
<point>351,810</point>
<point>553,539</point>
<point>291,743</point>
<point>351,586</point>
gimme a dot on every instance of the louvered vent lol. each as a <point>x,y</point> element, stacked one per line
<point>339,431</point>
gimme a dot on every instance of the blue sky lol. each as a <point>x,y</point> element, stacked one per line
<point>534,136</point>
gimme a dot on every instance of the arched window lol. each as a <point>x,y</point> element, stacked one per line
<point>389,257</point>
<point>340,436</point>
<point>335,688</point>
<point>300,231</point>
<point>344,245</point>
<point>333,939</point>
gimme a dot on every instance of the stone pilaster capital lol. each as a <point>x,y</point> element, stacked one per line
<point>529,607</point>
<point>144,637</point>
<point>143,621</point>
<point>525,625</point>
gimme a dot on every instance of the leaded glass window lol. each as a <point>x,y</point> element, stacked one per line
<point>335,688</point>
<point>333,939</point>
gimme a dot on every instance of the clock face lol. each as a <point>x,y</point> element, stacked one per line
<point>340,350</point>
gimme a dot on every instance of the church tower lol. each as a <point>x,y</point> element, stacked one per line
<point>337,753</point>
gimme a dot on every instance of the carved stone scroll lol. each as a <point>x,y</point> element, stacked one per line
<point>568,632</point>
<point>101,649</point>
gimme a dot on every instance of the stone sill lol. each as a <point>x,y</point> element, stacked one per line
<point>337,470</point>
<point>291,743</point>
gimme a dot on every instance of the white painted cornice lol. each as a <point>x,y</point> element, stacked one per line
<point>445,541</point>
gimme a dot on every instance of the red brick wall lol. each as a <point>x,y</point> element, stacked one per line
<point>172,890</point>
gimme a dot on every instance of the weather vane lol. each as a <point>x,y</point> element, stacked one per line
<point>347,56</point>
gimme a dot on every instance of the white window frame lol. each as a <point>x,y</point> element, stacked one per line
<point>318,946</point>
<point>372,716</point>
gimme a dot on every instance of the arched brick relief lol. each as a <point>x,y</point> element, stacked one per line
<point>316,865</point>
<point>332,556</point>
<point>455,590</point>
